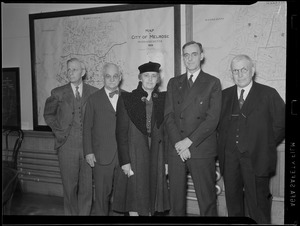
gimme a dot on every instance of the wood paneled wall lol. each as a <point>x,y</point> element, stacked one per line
<point>39,173</point>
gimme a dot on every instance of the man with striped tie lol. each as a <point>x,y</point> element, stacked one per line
<point>252,123</point>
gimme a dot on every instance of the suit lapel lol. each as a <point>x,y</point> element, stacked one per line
<point>252,100</point>
<point>106,102</point>
<point>69,95</point>
<point>85,93</point>
<point>192,92</point>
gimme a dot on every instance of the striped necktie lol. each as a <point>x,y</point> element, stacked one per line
<point>241,99</point>
<point>77,95</point>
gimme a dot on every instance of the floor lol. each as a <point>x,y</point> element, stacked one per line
<point>33,209</point>
<point>35,204</point>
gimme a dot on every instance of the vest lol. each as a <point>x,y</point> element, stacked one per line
<point>236,128</point>
<point>76,129</point>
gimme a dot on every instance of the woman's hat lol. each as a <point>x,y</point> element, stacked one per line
<point>151,66</point>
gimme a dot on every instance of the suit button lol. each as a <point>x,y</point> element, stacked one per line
<point>181,131</point>
<point>198,117</point>
<point>178,102</point>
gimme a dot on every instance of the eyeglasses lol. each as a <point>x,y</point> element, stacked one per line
<point>237,71</point>
<point>187,56</point>
<point>73,70</point>
<point>115,77</point>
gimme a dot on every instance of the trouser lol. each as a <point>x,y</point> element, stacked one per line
<point>203,172</point>
<point>241,182</point>
<point>104,178</point>
<point>76,177</point>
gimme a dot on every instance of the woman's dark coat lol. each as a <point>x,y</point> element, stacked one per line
<point>146,191</point>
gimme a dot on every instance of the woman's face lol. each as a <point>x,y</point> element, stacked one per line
<point>149,79</point>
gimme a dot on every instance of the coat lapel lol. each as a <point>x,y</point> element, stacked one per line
<point>69,95</point>
<point>198,84</point>
<point>85,93</point>
<point>252,100</point>
<point>106,102</point>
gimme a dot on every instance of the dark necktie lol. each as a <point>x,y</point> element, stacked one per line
<point>111,94</point>
<point>77,94</point>
<point>191,81</point>
<point>241,99</point>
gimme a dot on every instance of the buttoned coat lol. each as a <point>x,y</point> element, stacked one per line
<point>59,110</point>
<point>264,112</point>
<point>194,113</point>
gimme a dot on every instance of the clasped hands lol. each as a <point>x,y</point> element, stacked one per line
<point>182,148</point>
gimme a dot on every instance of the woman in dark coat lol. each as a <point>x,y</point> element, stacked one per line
<point>141,188</point>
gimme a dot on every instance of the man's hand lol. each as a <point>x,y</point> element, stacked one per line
<point>127,169</point>
<point>183,144</point>
<point>185,155</point>
<point>90,159</point>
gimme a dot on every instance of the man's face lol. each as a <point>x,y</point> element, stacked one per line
<point>75,72</point>
<point>112,77</point>
<point>242,73</point>
<point>192,57</point>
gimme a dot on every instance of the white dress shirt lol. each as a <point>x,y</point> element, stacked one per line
<point>79,89</point>
<point>246,92</point>
<point>112,100</point>
<point>195,74</point>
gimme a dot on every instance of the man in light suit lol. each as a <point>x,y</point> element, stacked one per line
<point>192,110</point>
<point>99,140</point>
<point>64,112</point>
<point>252,124</point>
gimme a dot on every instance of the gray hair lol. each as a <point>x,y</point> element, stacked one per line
<point>240,57</point>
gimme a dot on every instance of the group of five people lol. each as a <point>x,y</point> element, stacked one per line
<point>139,145</point>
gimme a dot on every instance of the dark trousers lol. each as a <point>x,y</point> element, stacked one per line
<point>203,172</point>
<point>76,177</point>
<point>240,182</point>
<point>104,178</point>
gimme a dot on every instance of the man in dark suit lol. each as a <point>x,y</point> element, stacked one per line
<point>252,123</point>
<point>64,112</point>
<point>99,140</point>
<point>192,110</point>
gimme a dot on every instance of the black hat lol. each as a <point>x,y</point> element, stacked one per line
<point>151,66</point>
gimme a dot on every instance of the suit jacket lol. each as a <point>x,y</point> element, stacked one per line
<point>99,128</point>
<point>264,110</point>
<point>194,113</point>
<point>59,110</point>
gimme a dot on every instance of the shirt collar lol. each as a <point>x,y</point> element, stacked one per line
<point>247,90</point>
<point>108,91</point>
<point>79,88</point>
<point>195,74</point>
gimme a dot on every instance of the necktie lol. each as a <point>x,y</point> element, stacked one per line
<point>191,81</point>
<point>77,95</point>
<point>111,94</point>
<point>241,99</point>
